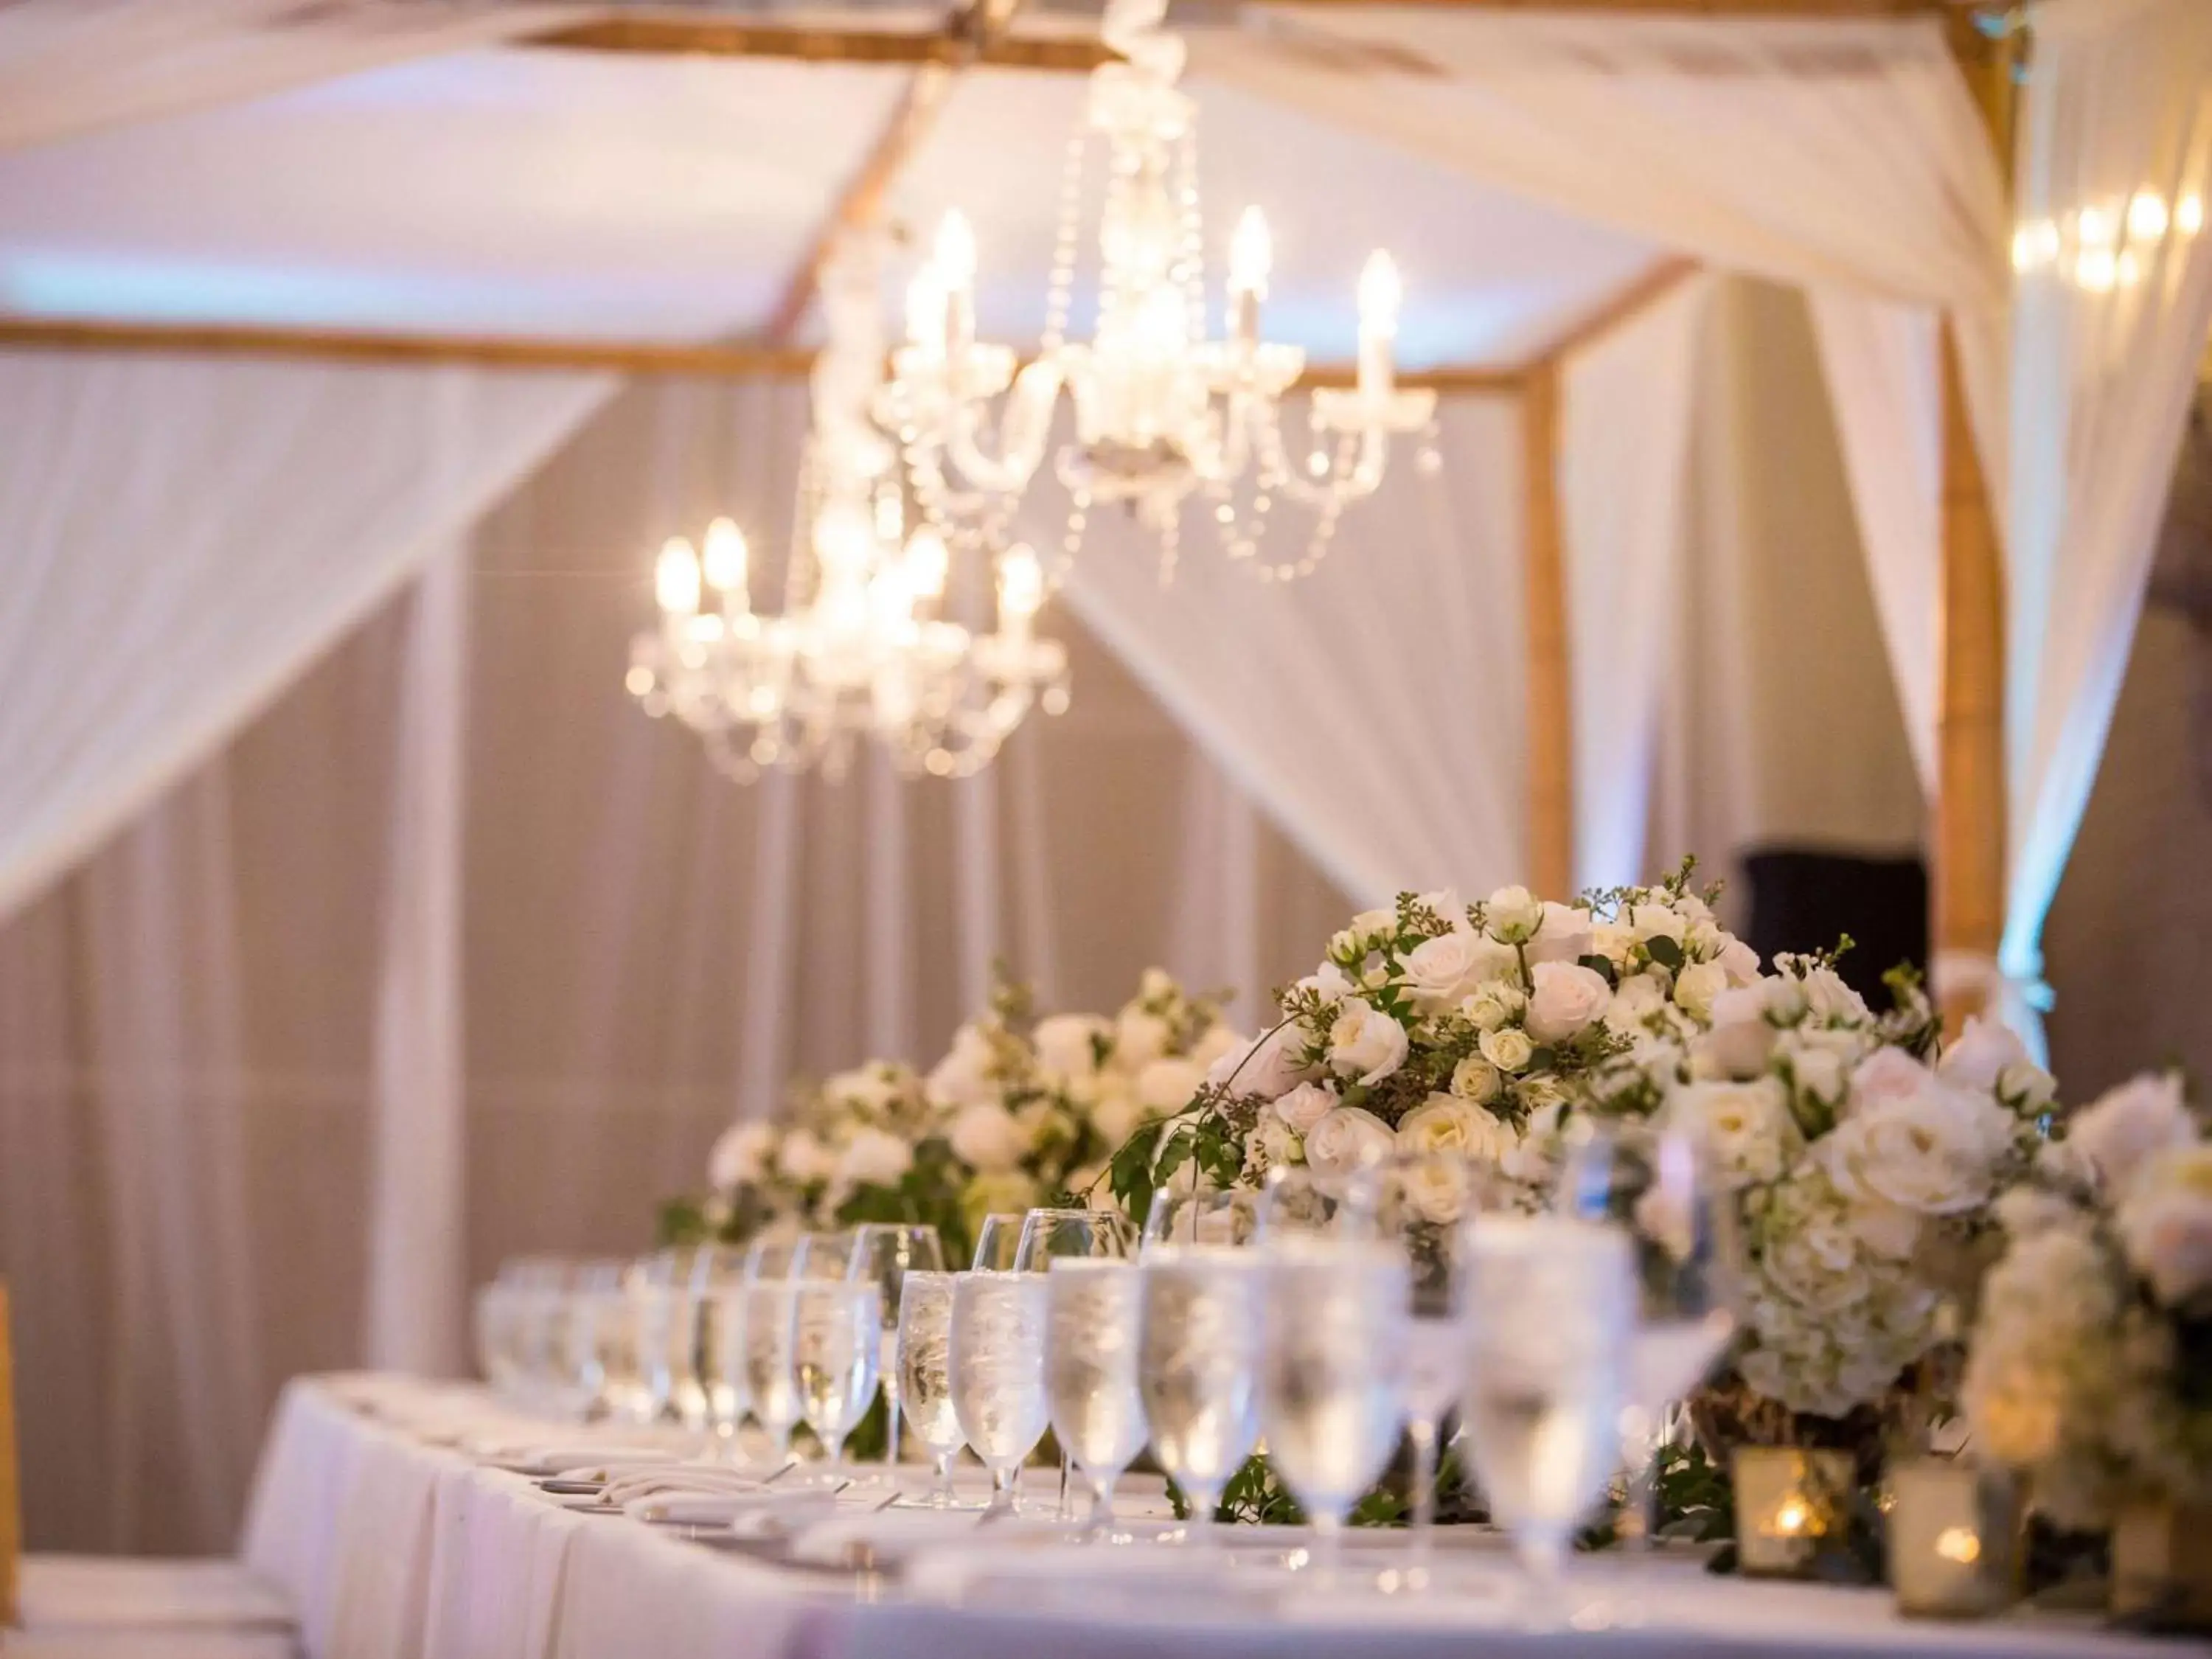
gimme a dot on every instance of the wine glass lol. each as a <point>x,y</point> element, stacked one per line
<point>997,1244</point>
<point>1551,1302</point>
<point>601,1342</point>
<point>717,1341</point>
<point>770,1256</point>
<point>766,1332</point>
<point>925,1369</point>
<point>1296,1202</point>
<point>1425,1200</point>
<point>1091,1308</point>
<point>1682,1227</point>
<point>883,1253</point>
<point>1197,1348</point>
<point>822,1255</point>
<point>1332,1372</point>
<point>996,1353</point>
<point>1048,1235</point>
<point>1183,1216</point>
<point>837,1338</point>
<point>666,1314</point>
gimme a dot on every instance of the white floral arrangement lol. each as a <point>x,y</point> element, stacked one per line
<point>2090,1364</point>
<point>1863,1164</point>
<point>1029,1111</point>
<point>858,1130</point>
<point>1439,1025</point>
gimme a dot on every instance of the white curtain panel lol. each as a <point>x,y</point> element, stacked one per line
<point>73,66</point>
<point>1374,708</point>
<point>1884,366</point>
<point>181,537</point>
<point>1624,460</point>
<point>2105,354</point>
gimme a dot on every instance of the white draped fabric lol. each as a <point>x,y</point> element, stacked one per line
<point>1624,464</point>
<point>2120,108</point>
<point>1374,707</point>
<point>69,67</point>
<point>1883,364</point>
<point>183,537</point>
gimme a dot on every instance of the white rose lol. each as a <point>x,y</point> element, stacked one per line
<point>1345,1139</point>
<point>1821,1073</point>
<point>1157,985</point>
<point>1329,982</point>
<point>1739,961</point>
<point>1117,1114</point>
<point>2165,1223</point>
<point>1445,1123</point>
<point>1276,1142</point>
<point>1217,1041</point>
<point>1888,1074</point>
<point>1982,1051</point>
<point>1266,1066</point>
<point>1476,1079</point>
<point>866,1090</point>
<point>740,1156</point>
<point>1166,1085</point>
<point>1508,1048</point>
<point>1435,1191</point>
<point>1306,1105</point>
<point>1696,986</point>
<point>1827,998</point>
<point>1564,934</point>
<point>1365,1041</point>
<point>1439,971</point>
<point>1634,999</point>
<point>2129,1124</point>
<point>1369,929</point>
<point>1744,1129</point>
<point>1933,1149</point>
<point>803,1159</point>
<point>1565,999</point>
<point>1140,1038</point>
<point>963,1076</point>
<point>986,1137</point>
<point>1066,1044</point>
<point>874,1159</point>
<point>1650,921</point>
<point>1512,916</point>
<point>1495,1005</point>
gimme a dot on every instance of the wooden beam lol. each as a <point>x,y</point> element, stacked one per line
<point>740,360</point>
<point>708,35</point>
<point>1968,889</point>
<point>1549,856</point>
<point>1664,276</point>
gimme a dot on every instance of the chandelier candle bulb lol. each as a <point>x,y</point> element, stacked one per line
<point>676,580</point>
<point>1379,294</point>
<point>956,270</point>
<point>1251,254</point>
<point>724,557</point>
<point>1021,590</point>
<point>928,563</point>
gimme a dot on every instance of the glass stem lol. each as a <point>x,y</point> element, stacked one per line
<point>1639,1515</point>
<point>1065,1510</point>
<point>891,1422</point>
<point>1003,1482</point>
<point>945,1492</point>
<point>1329,1549</point>
<point>1423,1432</point>
<point>1102,1505</point>
<point>1199,1526</point>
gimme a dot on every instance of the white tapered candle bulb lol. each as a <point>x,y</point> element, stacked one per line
<point>676,578</point>
<point>724,557</point>
<point>1380,294</point>
<point>1251,254</point>
<point>956,250</point>
<point>1021,588</point>
<point>928,563</point>
<point>926,309</point>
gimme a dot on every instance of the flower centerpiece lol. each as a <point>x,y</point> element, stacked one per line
<point>1439,1025</point>
<point>2090,1367</point>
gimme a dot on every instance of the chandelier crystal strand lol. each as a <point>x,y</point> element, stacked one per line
<point>1162,415</point>
<point>865,648</point>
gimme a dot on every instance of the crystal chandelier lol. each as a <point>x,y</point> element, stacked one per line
<point>864,646</point>
<point>1162,413</point>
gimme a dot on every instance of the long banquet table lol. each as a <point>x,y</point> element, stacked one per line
<point>393,1542</point>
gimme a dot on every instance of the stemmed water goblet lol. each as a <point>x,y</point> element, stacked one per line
<point>1552,1308</point>
<point>837,1346</point>
<point>717,1326</point>
<point>822,1256</point>
<point>1098,1411</point>
<point>770,1256</point>
<point>665,1309</point>
<point>883,1253</point>
<point>765,1330</point>
<point>925,1368</point>
<point>997,1357</point>
<point>998,1243</point>
<point>1049,1235</point>
<point>1655,1184</point>
<point>1198,1343</point>
<point>1332,1372</point>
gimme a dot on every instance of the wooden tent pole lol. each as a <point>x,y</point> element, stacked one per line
<point>1968,900</point>
<point>1549,764</point>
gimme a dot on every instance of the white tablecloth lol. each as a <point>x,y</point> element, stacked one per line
<point>391,1547</point>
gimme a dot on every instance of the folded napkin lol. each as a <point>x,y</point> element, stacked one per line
<point>759,1513</point>
<point>581,1458</point>
<point>625,1484</point>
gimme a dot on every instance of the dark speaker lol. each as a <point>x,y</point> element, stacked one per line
<point>1802,901</point>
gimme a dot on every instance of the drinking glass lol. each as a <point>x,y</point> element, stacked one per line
<point>1181,1217</point>
<point>925,1370</point>
<point>996,1353</point>
<point>822,1255</point>
<point>1551,1302</point>
<point>1091,1307</point>
<point>498,1307</point>
<point>1048,1235</point>
<point>717,1338</point>
<point>770,1257</point>
<point>1332,1373</point>
<point>602,1345</point>
<point>1197,1346</point>
<point>998,1242</point>
<point>837,1346</point>
<point>1681,1226</point>
<point>1425,1200</point>
<point>883,1254</point>
<point>666,1314</point>
<point>1297,1203</point>
<point>770,1307</point>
